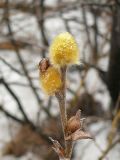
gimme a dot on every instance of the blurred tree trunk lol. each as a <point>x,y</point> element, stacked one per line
<point>114,62</point>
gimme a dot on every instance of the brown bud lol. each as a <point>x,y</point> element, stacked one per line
<point>44,64</point>
<point>73,123</point>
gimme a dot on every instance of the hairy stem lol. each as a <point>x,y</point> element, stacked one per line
<point>61,101</point>
<point>61,96</point>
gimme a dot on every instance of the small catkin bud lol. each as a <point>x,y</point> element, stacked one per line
<point>50,78</point>
<point>64,50</point>
<point>73,124</point>
<point>44,64</point>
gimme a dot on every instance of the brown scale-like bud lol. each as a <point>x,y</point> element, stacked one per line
<point>75,130</point>
<point>73,123</point>
<point>44,64</point>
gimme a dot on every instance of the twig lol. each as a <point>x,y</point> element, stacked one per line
<point>111,135</point>
<point>115,121</point>
<point>95,53</point>
<point>11,116</point>
<point>65,20</point>
<point>39,10</point>
<point>108,149</point>
<point>2,81</point>
<point>16,70</point>
<point>37,130</point>
<point>86,27</point>
<point>10,66</point>
<point>21,85</point>
<point>102,5</point>
<point>101,73</point>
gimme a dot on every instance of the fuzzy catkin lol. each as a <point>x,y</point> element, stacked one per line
<point>50,80</point>
<point>64,50</point>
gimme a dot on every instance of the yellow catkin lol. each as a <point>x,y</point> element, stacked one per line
<point>51,80</point>
<point>64,50</point>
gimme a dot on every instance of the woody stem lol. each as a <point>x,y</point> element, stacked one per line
<point>61,96</point>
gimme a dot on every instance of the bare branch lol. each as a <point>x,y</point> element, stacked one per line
<point>2,81</point>
<point>11,116</point>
